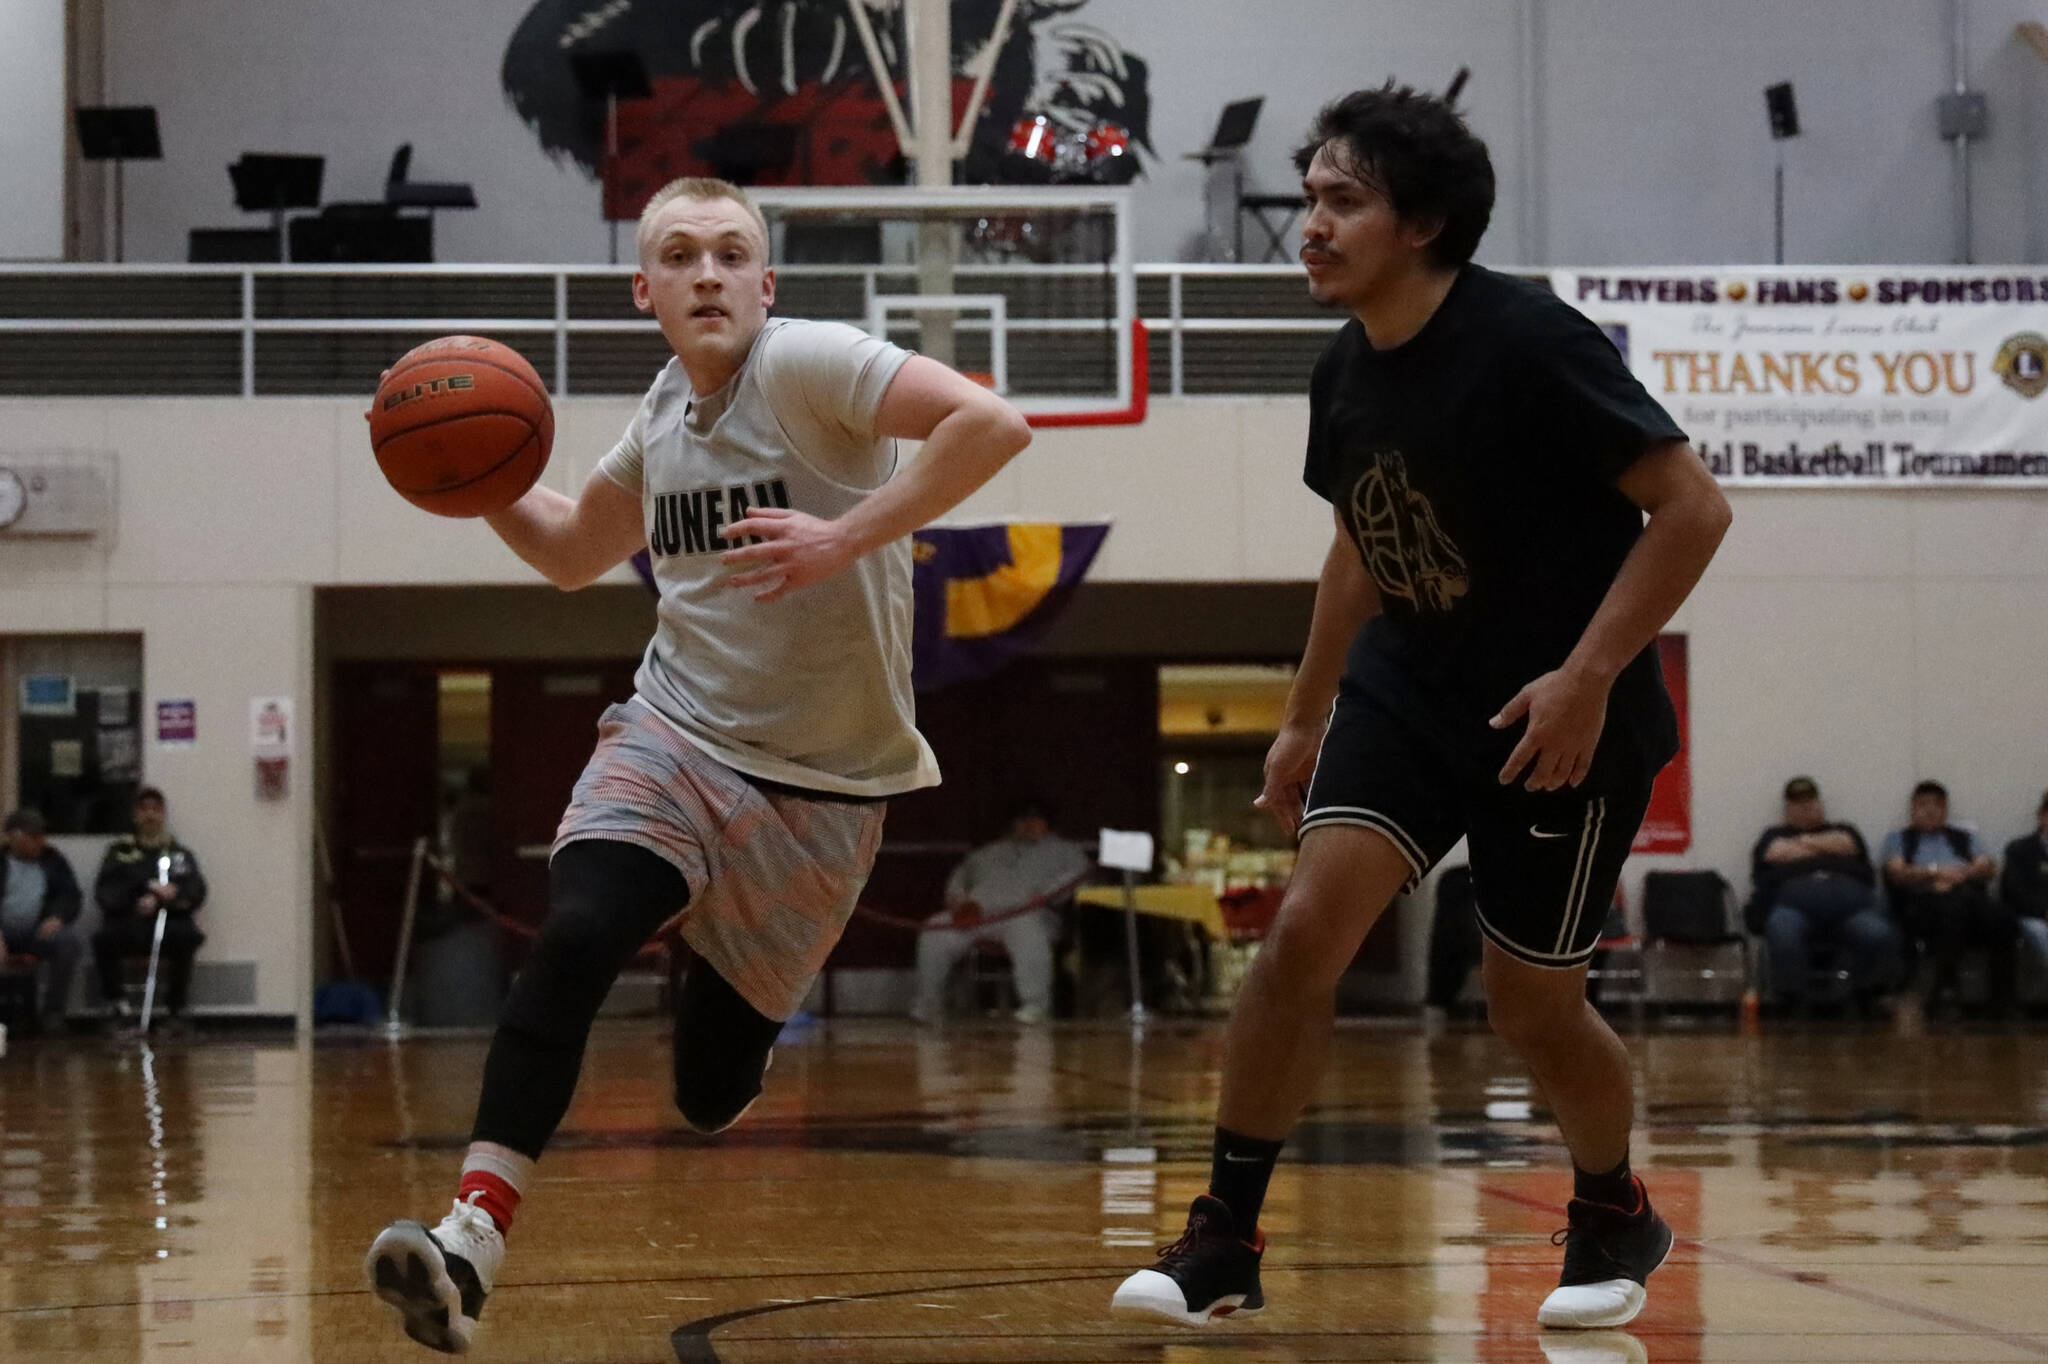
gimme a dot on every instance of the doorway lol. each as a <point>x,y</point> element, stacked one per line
<point>477,759</point>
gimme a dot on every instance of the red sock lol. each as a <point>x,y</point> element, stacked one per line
<point>494,1195</point>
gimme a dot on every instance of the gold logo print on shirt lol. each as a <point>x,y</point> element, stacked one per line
<point>1405,547</point>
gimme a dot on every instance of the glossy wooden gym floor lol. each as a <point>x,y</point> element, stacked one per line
<point>1841,1194</point>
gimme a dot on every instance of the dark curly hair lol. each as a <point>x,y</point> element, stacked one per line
<point>1414,146</point>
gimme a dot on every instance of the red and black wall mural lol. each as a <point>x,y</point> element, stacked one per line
<point>780,92</point>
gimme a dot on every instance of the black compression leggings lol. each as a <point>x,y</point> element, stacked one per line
<point>606,899</point>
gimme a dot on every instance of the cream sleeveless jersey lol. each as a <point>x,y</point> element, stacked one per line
<point>812,689</point>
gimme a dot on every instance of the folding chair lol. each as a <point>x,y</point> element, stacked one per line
<point>1689,926</point>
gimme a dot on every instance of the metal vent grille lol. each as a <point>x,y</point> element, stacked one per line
<point>1262,295</point>
<point>1278,295</point>
<point>601,297</point>
<point>349,362</point>
<point>833,297</point>
<point>125,295</point>
<point>312,297</point>
<point>223,983</point>
<point>1250,362</point>
<point>615,362</point>
<point>120,364</point>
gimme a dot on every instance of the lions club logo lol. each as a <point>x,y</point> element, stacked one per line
<point>2023,363</point>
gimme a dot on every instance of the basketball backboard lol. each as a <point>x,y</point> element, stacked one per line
<point>1031,288</point>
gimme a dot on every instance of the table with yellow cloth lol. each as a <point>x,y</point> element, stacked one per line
<point>1190,904</point>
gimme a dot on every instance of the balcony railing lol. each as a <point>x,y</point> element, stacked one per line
<point>276,331</point>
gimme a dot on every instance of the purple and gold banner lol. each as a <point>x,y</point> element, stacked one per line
<point>985,594</point>
<point>1878,376</point>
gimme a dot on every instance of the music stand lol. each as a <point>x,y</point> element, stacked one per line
<point>118,133</point>
<point>1226,145</point>
<point>611,77</point>
<point>269,182</point>
<point>1783,112</point>
<point>1233,128</point>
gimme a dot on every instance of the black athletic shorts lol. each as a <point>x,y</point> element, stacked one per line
<point>1544,863</point>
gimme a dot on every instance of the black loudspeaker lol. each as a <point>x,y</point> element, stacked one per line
<point>1783,112</point>
<point>361,233</point>
<point>233,245</point>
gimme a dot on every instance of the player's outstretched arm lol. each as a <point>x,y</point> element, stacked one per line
<point>1567,709</point>
<point>573,542</point>
<point>968,433</point>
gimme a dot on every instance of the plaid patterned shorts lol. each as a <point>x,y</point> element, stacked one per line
<point>773,876</point>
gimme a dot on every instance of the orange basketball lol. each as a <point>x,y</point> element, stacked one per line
<point>462,426</point>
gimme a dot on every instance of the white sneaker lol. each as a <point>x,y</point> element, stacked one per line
<point>437,1280</point>
<point>1029,1016</point>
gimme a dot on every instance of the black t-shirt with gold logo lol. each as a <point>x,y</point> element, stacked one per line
<point>1475,468</point>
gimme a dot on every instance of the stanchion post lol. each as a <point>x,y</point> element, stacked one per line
<point>392,1021</point>
<point>1130,852</point>
<point>1131,948</point>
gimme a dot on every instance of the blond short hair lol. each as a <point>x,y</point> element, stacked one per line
<point>698,187</point>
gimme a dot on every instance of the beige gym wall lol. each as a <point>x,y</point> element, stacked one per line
<point>1866,638</point>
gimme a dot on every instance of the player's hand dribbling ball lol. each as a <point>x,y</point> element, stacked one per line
<point>461,426</point>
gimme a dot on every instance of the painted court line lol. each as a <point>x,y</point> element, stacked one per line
<point>2033,1345</point>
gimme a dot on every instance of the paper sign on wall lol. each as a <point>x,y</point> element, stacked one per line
<point>270,724</point>
<point>177,722</point>
<point>47,694</point>
<point>117,705</point>
<point>67,758</point>
<point>273,777</point>
<point>120,755</point>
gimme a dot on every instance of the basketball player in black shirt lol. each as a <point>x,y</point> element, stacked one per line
<point>1480,664</point>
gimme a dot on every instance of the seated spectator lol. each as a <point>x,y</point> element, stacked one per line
<point>145,872</point>
<point>39,901</point>
<point>2023,886</point>
<point>1814,887</point>
<point>1940,882</point>
<point>1028,866</point>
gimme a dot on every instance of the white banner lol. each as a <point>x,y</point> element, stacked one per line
<point>1868,377</point>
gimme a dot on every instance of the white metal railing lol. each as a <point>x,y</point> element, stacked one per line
<point>1170,329</point>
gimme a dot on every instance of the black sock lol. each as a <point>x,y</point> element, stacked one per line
<point>1616,1188</point>
<point>1238,1173</point>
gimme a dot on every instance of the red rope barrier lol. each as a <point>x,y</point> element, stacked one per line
<point>477,902</point>
<point>944,922</point>
<point>937,923</point>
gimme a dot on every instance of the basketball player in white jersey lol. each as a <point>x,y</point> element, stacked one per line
<point>741,788</point>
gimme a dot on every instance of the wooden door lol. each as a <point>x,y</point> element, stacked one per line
<point>1082,734</point>
<point>386,735</point>
<point>543,727</point>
